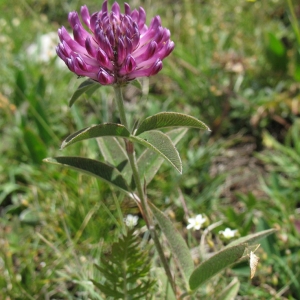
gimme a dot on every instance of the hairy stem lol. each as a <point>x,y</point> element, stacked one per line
<point>140,191</point>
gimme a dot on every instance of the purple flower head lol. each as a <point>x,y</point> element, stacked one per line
<point>115,48</point>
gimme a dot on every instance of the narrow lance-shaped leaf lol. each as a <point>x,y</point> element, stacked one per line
<point>149,161</point>
<point>161,144</point>
<point>215,264</point>
<point>35,145</point>
<point>176,242</point>
<point>86,86</point>
<point>94,168</point>
<point>252,238</point>
<point>169,119</point>
<point>107,129</point>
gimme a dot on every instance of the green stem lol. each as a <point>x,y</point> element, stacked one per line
<point>294,20</point>
<point>133,163</point>
<point>120,104</point>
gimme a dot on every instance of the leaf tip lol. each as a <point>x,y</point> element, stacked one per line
<point>63,145</point>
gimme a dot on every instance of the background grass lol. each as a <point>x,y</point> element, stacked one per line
<point>236,66</point>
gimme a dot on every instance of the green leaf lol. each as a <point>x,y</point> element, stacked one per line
<point>276,44</point>
<point>230,292</point>
<point>85,87</point>
<point>149,161</point>
<point>270,243</point>
<point>169,119</point>
<point>114,153</point>
<point>176,242</point>
<point>94,168</point>
<point>29,217</point>
<point>297,65</point>
<point>107,290</point>
<point>215,264</point>
<point>35,145</point>
<point>20,88</point>
<point>251,238</point>
<point>8,188</point>
<point>276,53</point>
<point>161,144</point>
<point>107,129</point>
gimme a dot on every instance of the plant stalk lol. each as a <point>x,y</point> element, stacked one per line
<point>133,163</point>
<point>294,20</point>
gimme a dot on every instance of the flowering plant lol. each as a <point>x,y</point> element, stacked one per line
<point>115,49</point>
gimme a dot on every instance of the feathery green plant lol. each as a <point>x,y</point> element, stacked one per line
<point>126,270</point>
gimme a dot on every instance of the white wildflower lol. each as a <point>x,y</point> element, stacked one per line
<point>131,220</point>
<point>228,233</point>
<point>196,222</point>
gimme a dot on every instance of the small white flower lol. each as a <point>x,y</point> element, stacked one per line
<point>228,233</point>
<point>196,222</point>
<point>131,220</point>
<point>16,22</point>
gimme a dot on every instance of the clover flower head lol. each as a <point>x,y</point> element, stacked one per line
<point>196,223</point>
<point>228,233</point>
<point>131,220</point>
<point>116,47</point>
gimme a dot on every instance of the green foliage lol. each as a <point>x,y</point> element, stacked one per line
<point>176,242</point>
<point>231,291</point>
<point>252,238</point>
<point>226,71</point>
<point>88,86</point>
<point>215,264</point>
<point>169,119</point>
<point>162,145</point>
<point>94,168</point>
<point>96,131</point>
<point>149,161</point>
<point>282,186</point>
<point>126,270</point>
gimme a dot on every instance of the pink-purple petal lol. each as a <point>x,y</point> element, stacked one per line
<point>104,7</point>
<point>146,52</point>
<point>127,9</point>
<point>85,15</point>
<point>128,66</point>
<point>92,51</point>
<point>116,9</point>
<point>121,51</point>
<point>117,47</point>
<point>135,15</point>
<point>105,78</point>
<point>79,35</point>
<point>103,60</point>
<point>73,18</point>
<point>142,18</point>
